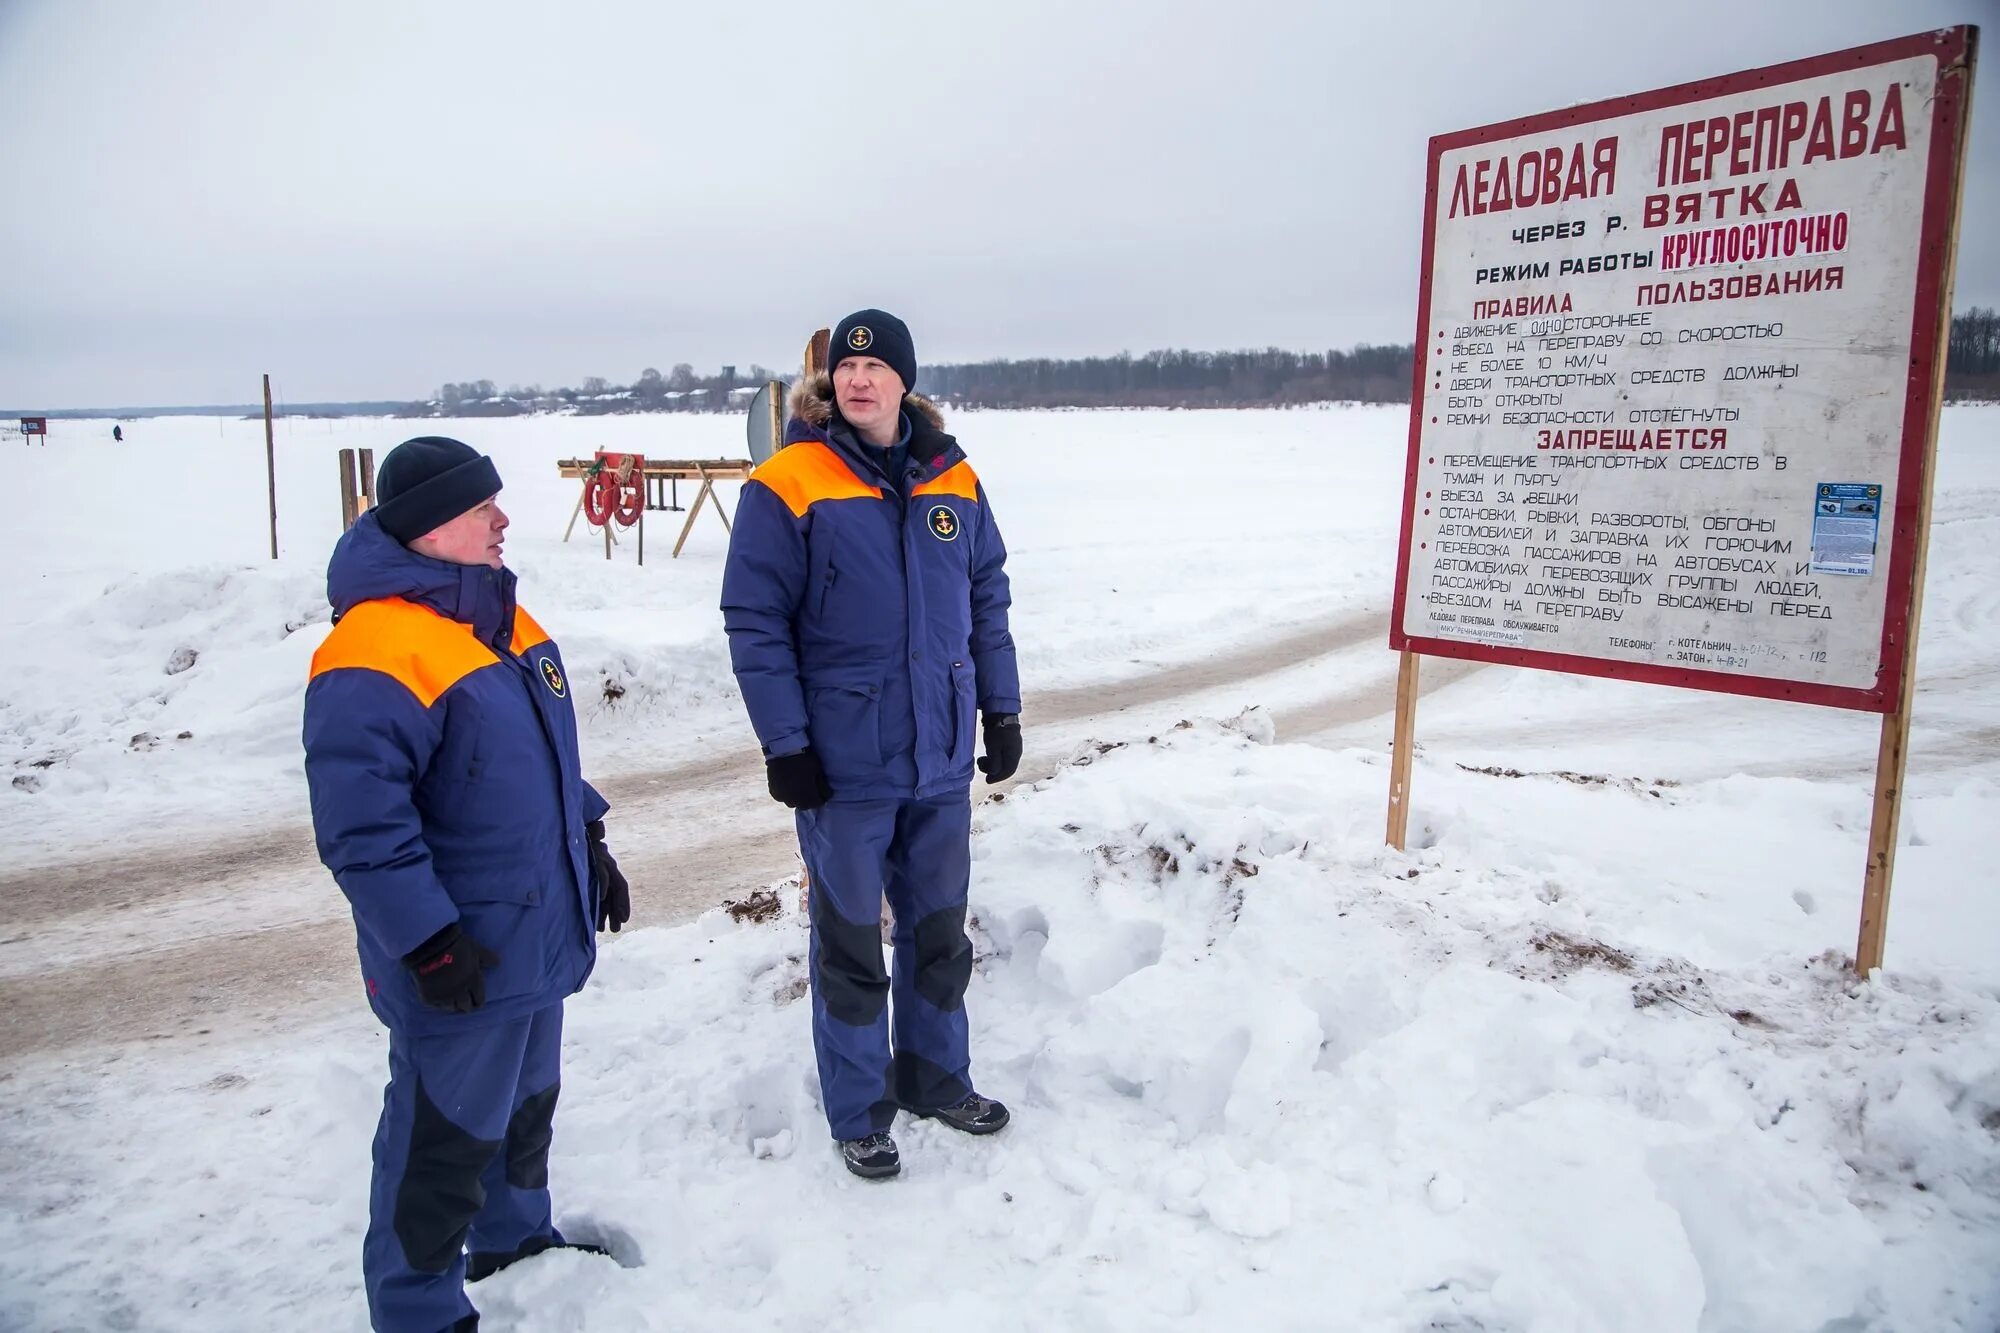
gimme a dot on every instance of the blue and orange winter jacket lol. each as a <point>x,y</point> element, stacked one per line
<point>867,615</point>
<point>441,753</point>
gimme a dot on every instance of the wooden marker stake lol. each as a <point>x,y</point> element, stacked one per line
<point>346,489</point>
<point>271,466</point>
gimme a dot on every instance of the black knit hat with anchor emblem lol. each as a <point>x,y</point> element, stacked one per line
<point>879,334</point>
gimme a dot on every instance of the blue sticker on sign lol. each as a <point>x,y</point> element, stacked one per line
<point>1847,519</point>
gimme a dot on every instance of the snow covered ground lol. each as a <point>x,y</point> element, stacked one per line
<point>1585,1058</point>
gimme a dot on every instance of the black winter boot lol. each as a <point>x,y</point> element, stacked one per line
<point>872,1158</point>
<point>974,1115</point>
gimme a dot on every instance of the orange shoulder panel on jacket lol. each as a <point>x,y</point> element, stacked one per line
<point>526,632</point>
<point>960,480</point>
<point>805,473</point>
<point>412,644</point>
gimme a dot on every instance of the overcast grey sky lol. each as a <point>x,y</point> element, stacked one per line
<point>368,198</point>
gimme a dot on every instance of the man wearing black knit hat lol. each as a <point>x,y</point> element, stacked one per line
<point>866,599</point>
<point>448,800</point>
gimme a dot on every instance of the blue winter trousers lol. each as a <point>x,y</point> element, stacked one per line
<point>462,1151</point>
<point>918,854</point>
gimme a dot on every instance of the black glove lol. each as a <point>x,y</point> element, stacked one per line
<point>798,780</point>
<point>447,967</point>
<point>614,895</point>
<point>1003,746</point>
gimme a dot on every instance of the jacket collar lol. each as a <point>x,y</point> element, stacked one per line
<point>368,564</point>
<point>931,451</point>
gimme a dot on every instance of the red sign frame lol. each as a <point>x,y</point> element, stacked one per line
<point>34,426</point>
<point>1950,46</point>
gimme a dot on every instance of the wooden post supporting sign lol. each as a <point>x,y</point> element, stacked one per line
<point>1892,757</point>
<point>1404,751</point>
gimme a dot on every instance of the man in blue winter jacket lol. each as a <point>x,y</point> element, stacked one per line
<point>449,803</point>
<point>866,601</point>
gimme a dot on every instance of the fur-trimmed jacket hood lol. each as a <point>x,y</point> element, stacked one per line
<point>812,402</point>
<point>812,418</point>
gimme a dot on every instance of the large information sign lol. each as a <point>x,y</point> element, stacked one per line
<point>1677,375</point>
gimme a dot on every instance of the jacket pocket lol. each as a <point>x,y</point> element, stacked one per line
<point>505,911</point>
<point>455,784</point>
<point>826,588</point>
<point>844,721</point>
<point>496,890</point>
<point>964,710</point>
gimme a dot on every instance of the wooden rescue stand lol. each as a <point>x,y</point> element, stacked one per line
<point>1956,51</point>
<point>656,475</point>
<point>766,432</point>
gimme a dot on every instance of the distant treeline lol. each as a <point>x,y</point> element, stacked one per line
<point>1272,377</point>
<point>1972,365</point>
<point>1176,378</point>
<point>679,390</point>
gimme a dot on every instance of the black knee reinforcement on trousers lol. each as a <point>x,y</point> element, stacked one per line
<point>529,1134</point>
<point>851,980</point>
<point>923,1085</point>
<point>439,1193</point>
<point>882,1112</point>
<point>944,958</point>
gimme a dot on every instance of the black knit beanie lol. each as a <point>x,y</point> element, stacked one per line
<point>879,334</point>
<point>429,481</point>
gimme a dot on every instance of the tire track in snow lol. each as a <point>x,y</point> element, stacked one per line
<point>35,893</point>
